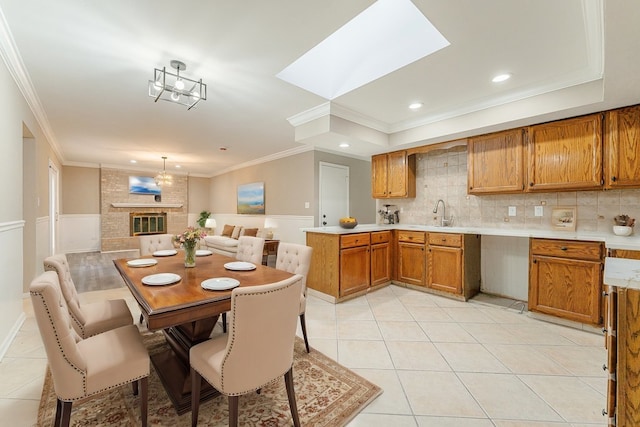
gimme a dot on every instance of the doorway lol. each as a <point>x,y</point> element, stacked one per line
<point>334,193</point>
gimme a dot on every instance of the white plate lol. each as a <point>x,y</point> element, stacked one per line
<point>142,262</point>
<point>165,252</point>
<point>203,252</point>
<point>219,283</point>
<point>240,266</point>
<point>161,279</point>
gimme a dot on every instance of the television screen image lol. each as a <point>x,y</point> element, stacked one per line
<point>143,185</point>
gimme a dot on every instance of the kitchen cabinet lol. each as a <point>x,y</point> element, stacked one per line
<point>411,257</point>
<point>622,341</point>
<point>393,175</point>
<point>565,155</point>
<point>453,264</point>
<point>495,163</point>
<point>381,255</point>
<point>565,279</point>
<point>340,263</point>
<point>622,148</point>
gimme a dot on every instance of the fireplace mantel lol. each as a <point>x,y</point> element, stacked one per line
<point>146,205</point>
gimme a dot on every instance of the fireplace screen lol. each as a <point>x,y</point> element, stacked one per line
<point>147,223</point>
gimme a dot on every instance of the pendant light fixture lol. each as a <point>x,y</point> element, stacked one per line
<point>173,87</point>
<point>163,178</point>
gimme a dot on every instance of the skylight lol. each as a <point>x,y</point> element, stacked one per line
<point>383,38</point>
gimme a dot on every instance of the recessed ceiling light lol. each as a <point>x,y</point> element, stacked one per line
<point>415,105</point>
<point>178,166</point>
<point>501,77</point>
<point>344,145</point>
<point>133,161</point>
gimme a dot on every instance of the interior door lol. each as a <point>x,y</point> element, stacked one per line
<point>334,193</point>
<point>53,208</point>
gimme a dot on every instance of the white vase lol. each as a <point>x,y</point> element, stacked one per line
<point>622,230</point>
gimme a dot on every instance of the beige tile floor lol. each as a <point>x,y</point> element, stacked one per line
<point>439,361</point>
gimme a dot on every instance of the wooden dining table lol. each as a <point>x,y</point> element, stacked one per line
<point>186,312</point>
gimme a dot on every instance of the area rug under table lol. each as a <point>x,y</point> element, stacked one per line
<point>327,393</point>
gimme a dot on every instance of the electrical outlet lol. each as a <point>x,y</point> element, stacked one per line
<point>538,211</point>
<point>306,205</point>
<point>512,211</point>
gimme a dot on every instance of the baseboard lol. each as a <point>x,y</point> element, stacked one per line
<point>11,336</point>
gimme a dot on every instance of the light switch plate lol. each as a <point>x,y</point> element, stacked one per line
<point>512,211</point>
<point>538,211</point>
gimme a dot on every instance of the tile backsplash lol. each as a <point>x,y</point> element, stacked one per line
<point>442,174</point>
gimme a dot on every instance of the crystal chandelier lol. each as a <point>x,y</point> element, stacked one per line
<point>163,178</point>
<point>173,87</point>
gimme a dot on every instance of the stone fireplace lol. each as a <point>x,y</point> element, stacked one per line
<point>118,208</point>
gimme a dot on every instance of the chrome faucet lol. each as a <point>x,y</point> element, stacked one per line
<point>445,221</point>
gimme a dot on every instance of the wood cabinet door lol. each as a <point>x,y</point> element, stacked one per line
<point>444,272</point>
<point>622,148</point>
<point>495,163</point>
<point>628,367</point>
<point>380,263</point>
<point>411,263</point>
<point>565,155</point>
<point>397,174</point>
<point>354,270</point>
<point>566,288</point>
<point>379,173</point>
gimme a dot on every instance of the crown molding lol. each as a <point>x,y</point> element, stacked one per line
<point>12,59</point>
<point>276,156</point>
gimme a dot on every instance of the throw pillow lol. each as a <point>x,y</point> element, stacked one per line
<point>227,230</point>
<point>236,232</point>
<point>253,232</point>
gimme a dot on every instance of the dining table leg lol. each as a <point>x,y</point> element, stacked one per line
<point>173,367</point>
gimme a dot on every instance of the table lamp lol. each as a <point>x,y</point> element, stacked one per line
<point>210,223</point>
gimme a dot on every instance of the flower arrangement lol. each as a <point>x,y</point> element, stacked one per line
<point>188,240</point>
<point>624,220</point>
<point>189,237</point>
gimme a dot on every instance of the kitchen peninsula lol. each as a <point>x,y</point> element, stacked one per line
<point>350,262</point>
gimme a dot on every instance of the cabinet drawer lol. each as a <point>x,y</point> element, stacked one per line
<point>380,237</point>
<point>411,236</point>
<point>445,239</point>
<point>353,240</point>
<point>567,249</point>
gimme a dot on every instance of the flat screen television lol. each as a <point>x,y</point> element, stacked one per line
<point>143,185</point>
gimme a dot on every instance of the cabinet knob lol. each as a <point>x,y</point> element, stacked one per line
<point>444,240</point>
<point>613,178</point>
<point>531,184</point>
<point>605,294</point>
<point>604,412</point>
<point>604,367</point>
<point>604,330</point>
<point>563,248</point>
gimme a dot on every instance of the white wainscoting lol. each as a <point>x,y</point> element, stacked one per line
<point>505,266</point>
<point>79,233</point>
<point>286,228</point>
<point>42,243</point>
<point>11,314</point>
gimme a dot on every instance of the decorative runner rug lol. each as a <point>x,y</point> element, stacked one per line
<point>327,394</point>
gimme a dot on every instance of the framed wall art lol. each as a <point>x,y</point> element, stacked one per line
<point>143,185</point>
<point>251,198</point>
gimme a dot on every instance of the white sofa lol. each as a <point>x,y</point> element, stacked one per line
<point>227,243</point>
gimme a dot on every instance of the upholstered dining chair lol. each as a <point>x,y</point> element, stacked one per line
<point>296,259</point>
<point>250,249</point>
<point>149,243</point>
<point>257,350</point>
<point>89,318</point>
<point>82,368</point>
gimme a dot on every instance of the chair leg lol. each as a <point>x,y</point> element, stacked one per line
<point>144,400</point>
<point>134,385</point>
<point>303,324</point>
<point>141,318</point>
<point>196,381</point>
<point>63,414</point>
<point>224,322</point>
<point>233,411</point>
<point>291,394</point>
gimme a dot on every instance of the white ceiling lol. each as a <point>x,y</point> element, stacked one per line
<point>88,63</point>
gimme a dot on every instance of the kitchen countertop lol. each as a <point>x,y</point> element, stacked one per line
<point>611,240</point>
<point>622,272</point>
